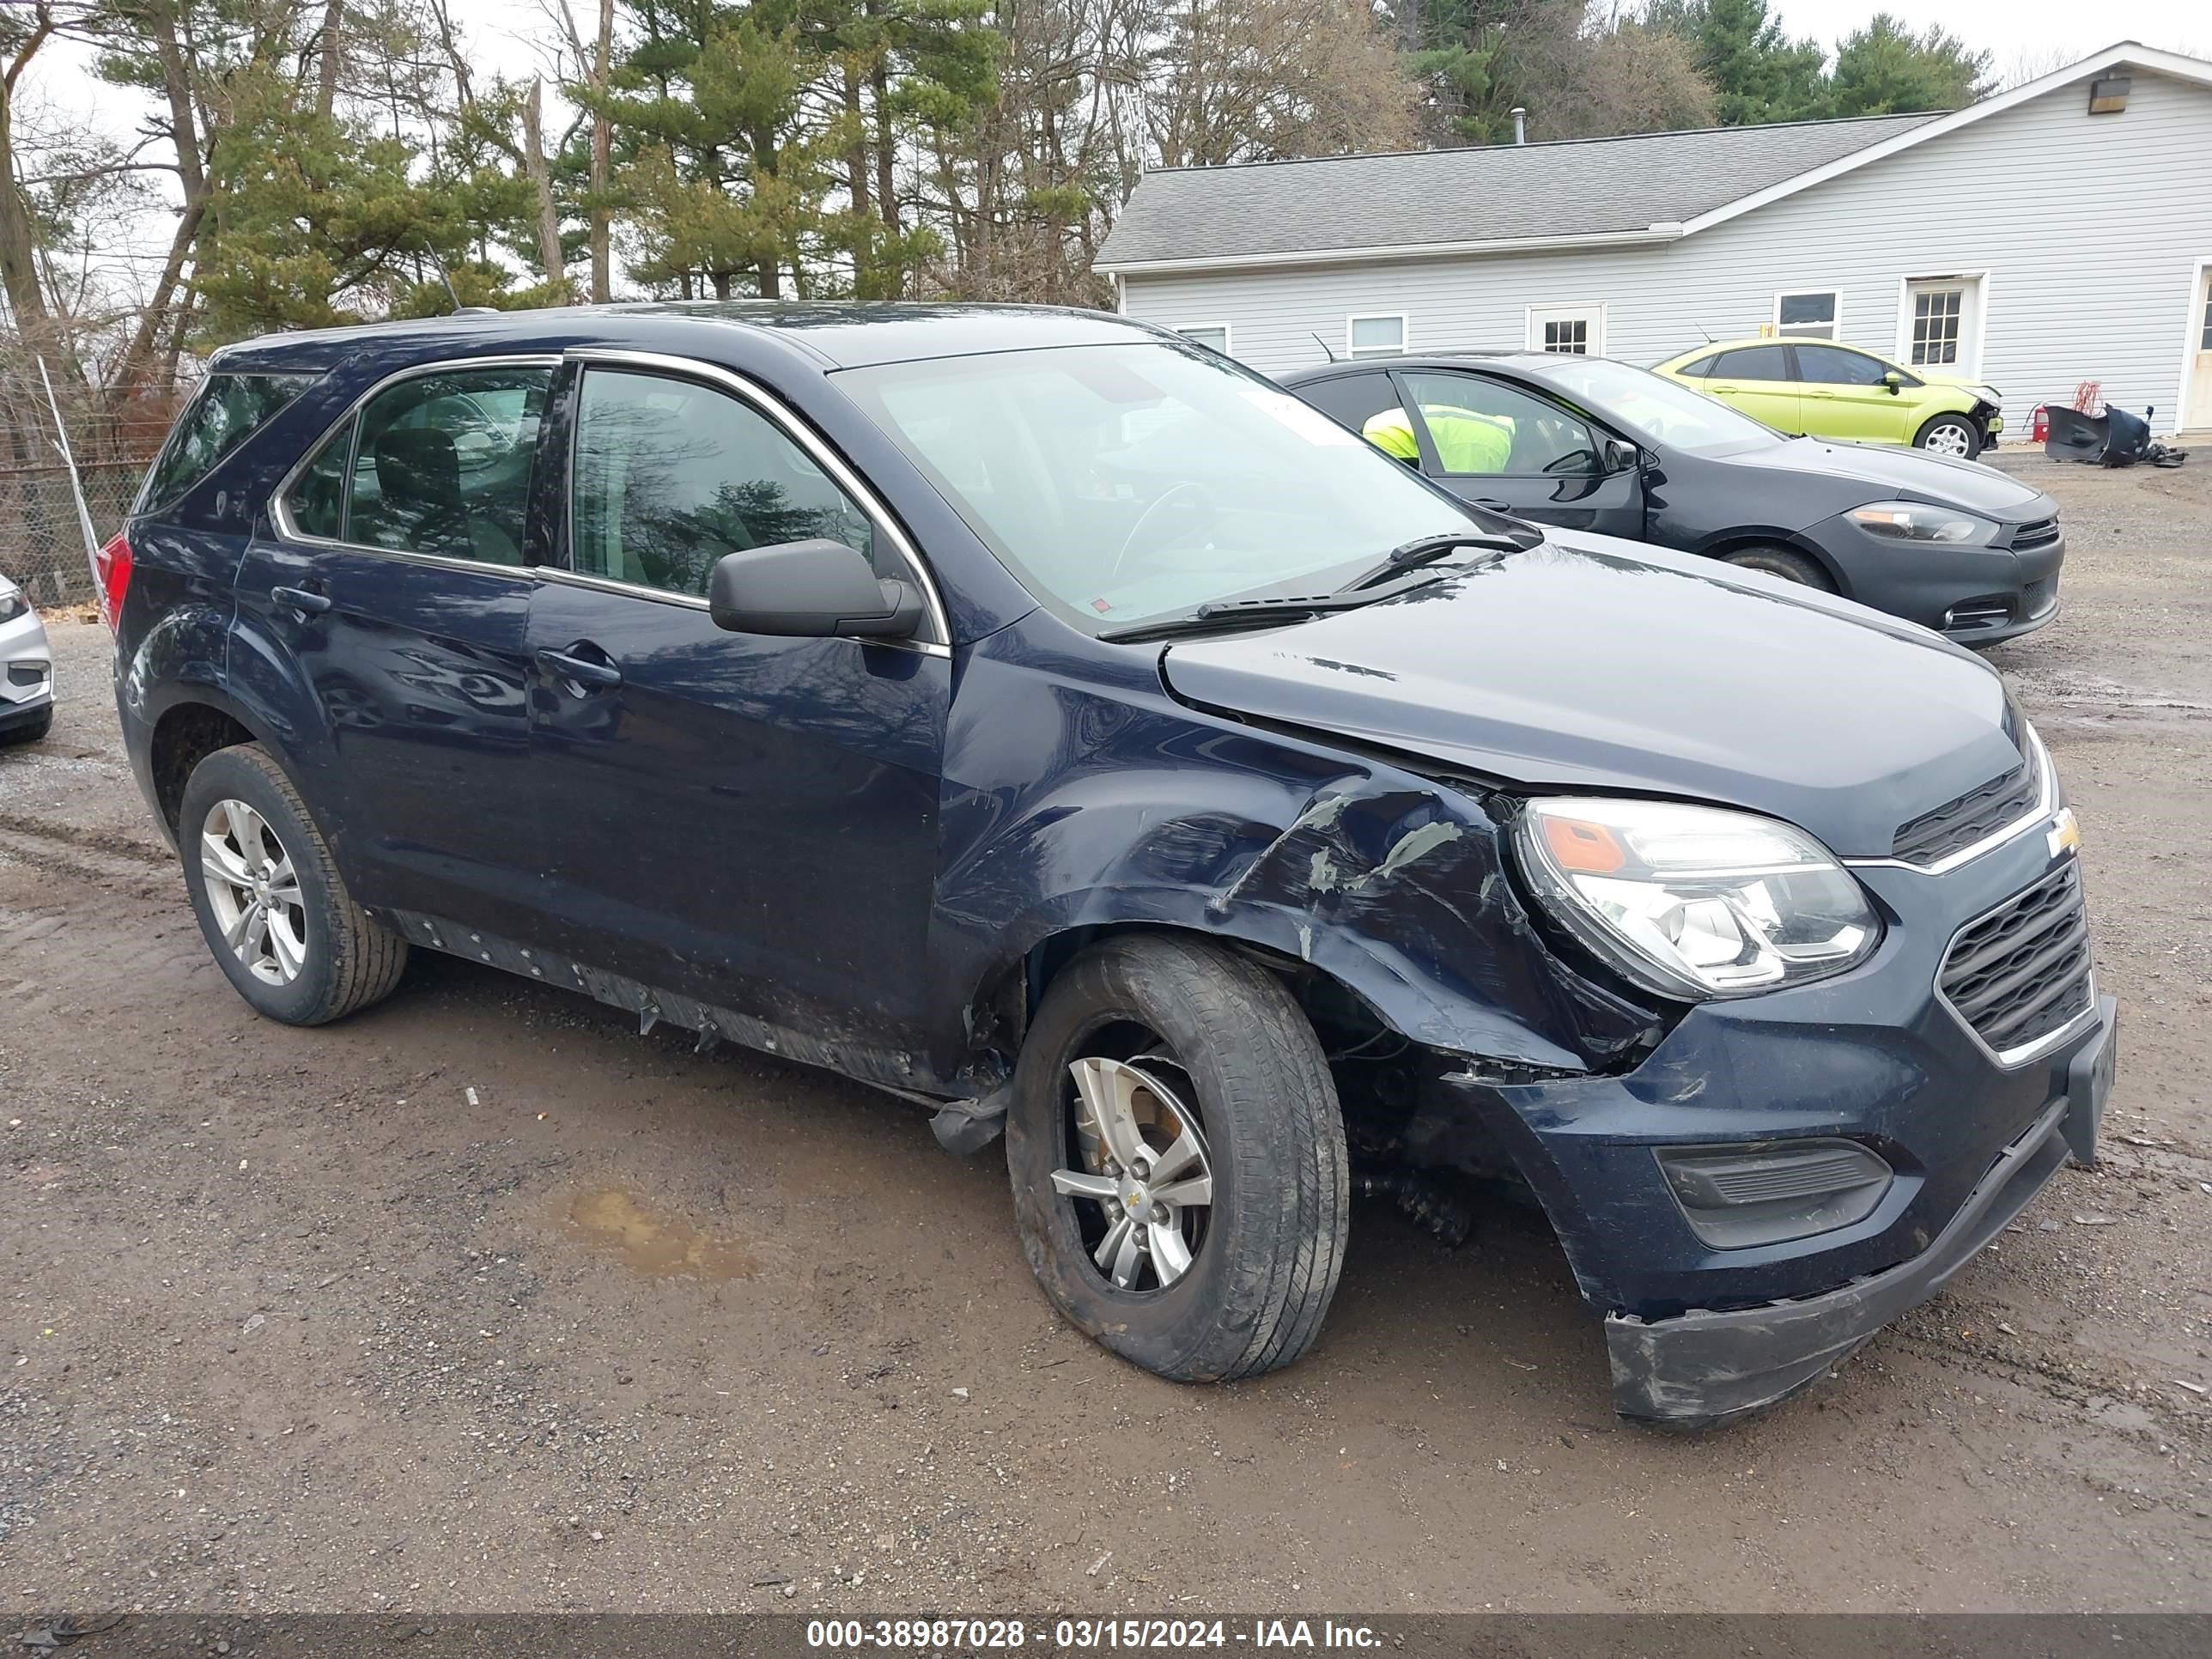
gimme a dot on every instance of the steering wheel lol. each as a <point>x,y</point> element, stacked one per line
<point>1188,487</point>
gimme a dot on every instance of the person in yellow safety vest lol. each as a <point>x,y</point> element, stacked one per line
<point>1465,441</point>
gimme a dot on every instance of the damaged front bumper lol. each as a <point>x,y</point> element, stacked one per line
<point>1701,1367</point>
<point>1783,1174</point>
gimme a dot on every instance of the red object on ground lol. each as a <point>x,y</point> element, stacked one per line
<point>2039,428</point>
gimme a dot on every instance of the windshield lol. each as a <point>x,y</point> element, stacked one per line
<point>1126,482</point>
<point>1666,411</point>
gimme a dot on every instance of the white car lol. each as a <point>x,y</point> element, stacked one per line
<point>27,669</point>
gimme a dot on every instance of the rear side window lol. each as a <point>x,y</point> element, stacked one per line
<point>1754,363</point>
<point>230,410</point>
<point>437,464</point>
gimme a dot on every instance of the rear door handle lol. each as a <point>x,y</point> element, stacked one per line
<point>581,673</point>
<point>307,603</point>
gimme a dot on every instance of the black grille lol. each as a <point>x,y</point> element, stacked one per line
<point>2022,971</point>
<point>1958,824</point>
<point>2041,533</point>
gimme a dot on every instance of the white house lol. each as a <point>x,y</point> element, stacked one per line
<point>2057,234</point>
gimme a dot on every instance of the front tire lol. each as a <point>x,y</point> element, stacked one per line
<point>271,902</point>
<point>1950,434</point>
<point>1785,562</point>
<point>1180,1175</point>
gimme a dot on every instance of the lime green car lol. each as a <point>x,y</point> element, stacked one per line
<point>1831,391</point>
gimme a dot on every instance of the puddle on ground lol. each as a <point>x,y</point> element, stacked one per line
<point>659,1246</point>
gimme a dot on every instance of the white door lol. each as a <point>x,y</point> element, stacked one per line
<point>2197,396</point>
<point>1941,325</point>
<point>1579,329</point>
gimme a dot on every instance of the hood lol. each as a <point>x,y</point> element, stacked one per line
<point>1577,666</point>
<point>1912,473</point>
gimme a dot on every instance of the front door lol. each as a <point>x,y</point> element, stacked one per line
<point>1757,380</point>
<point>397,581</point>
<point>1507,449</point>
<point>1846,397</point>
<point>745,819</point>
<point>1942,325</point>
<point>2197,396</point>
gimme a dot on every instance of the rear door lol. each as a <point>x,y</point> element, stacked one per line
<point>747,820</point>
<point>1845,396</point>
<point>1757,380</point>
<point>395,581</point>
<point>1505,448</point>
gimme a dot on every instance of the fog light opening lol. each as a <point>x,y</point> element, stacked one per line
<point>1770,1192</point>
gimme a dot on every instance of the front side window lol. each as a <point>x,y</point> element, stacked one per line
<point>1805,316</point>
<point>230,410</point>
<point>1124,482</point>
<point>1834,366</point>
<point>1481,427</point>
<point>437,464</point>
<point>670,475</point>
<point>1754,363</point>
<point>1376,337</point>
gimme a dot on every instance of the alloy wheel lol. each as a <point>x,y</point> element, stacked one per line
<point>254,892</point>
<point>1144,1193</point>
<point>1948,440</point>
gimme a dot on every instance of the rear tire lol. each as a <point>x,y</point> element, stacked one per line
<point>1785,562</point>
<point>31,730</point>
<point>1220,1040</point>
<point>271,902</point>
<point>1950,434</point>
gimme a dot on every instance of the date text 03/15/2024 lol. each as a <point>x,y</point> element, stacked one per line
<point>1086,1634</point>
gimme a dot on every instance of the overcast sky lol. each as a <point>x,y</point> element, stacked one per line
<point>2025,37</point>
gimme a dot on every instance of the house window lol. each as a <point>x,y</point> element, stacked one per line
<point>1936,316</point>
<point>1214,337</point>
<point>1810,316</point>
<point>1575,331</point>
<point>1375,336</point>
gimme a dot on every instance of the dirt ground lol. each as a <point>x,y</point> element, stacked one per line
<point>482,1301</point>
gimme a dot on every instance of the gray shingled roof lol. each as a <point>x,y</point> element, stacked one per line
<point>1496,193</point>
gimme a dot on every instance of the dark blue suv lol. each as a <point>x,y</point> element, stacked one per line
<point>1042,719</point>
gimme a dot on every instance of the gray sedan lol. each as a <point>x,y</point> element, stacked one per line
<point>1589,444</point>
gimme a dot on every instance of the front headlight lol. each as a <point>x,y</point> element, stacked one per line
<point>1694,902</point>
<point>1913,521</point>
<point>12,606</point>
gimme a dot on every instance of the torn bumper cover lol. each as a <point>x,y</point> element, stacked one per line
<point>1704,1367</point>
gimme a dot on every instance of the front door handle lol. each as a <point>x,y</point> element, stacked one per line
<point>583,674</point>
<point>306,602</point>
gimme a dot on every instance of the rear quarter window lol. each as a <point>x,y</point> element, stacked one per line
<point>230,410</point>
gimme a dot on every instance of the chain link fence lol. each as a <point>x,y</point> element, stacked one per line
<point>41,543</point>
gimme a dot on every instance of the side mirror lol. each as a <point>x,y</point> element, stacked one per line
<point>1621,456</point>
<point>1893,380</point>
<point>814,589</point>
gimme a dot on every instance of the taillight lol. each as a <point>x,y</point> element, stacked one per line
<point>113,561</point>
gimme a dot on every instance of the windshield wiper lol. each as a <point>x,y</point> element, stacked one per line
<point>1217,614</point>
<point>1426,549</point>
